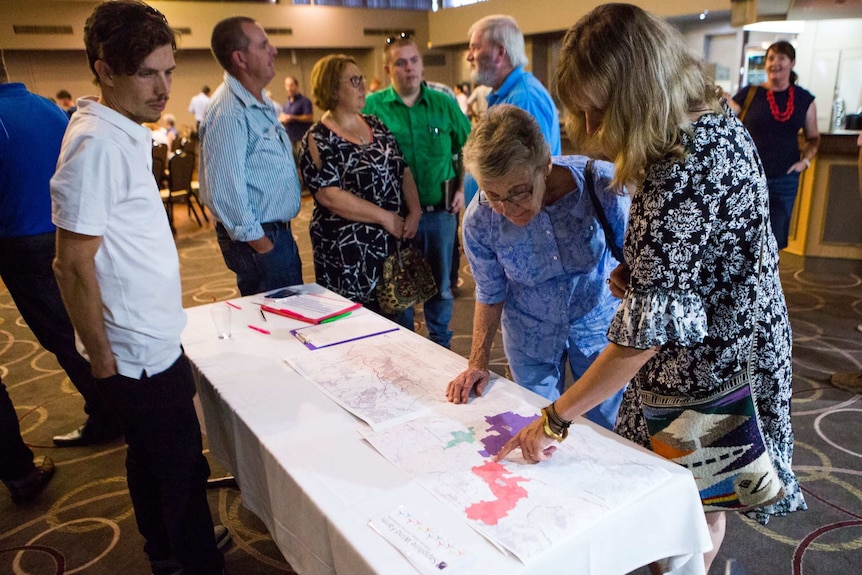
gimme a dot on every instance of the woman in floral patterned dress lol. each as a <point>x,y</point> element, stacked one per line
<point>689,288</point>
<point>365,198</point>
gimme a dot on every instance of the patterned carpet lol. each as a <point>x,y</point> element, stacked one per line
<point>83,521</point>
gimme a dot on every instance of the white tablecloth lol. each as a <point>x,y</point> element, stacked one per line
<point>305,470</point>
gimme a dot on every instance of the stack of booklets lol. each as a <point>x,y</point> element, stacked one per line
<point>310,308</point>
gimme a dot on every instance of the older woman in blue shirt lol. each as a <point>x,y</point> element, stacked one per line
<point>540,258</point>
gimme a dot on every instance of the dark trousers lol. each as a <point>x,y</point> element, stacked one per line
<point>16,459</point>
<point>165,466</point>
<point>256,273</point>
<point>26,268</point>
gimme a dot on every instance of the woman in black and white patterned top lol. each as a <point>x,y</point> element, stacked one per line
<point>364,194</point>
<point>689,288</point>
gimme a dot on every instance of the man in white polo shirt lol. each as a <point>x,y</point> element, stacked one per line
<point>118,272</point>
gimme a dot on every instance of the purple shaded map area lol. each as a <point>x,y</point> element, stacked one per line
<point>505,487</point>
<point>503,426</point>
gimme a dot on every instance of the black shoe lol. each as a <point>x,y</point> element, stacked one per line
<point>87,434</point>
<point>222,536</point>
<point>173,567</point>
<point>28,487</point>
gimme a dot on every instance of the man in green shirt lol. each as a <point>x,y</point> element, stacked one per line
<point>431,130</point>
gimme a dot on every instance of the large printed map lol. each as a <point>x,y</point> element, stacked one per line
<point>392,381</point>
<point>526,509</point>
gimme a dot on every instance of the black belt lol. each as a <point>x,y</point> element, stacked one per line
<point>434,208</point>
<point>275,226</point>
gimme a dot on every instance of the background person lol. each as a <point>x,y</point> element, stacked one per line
<point>118,271</point>
<point>248,176</point>
<point>198,105</point>
<point>32,130</point>
<point>462,93</point>
<point>497,59</point>
<point>778,110</point>
<point>22,474</point>
<point>66,103</point>
<point>296,115</point>
<point>477,102</point>
<point>548,288</point>
<point>430,130</point>
<point>365,199</point>
<point>692,247</point>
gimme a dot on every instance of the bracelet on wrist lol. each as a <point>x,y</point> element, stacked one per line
<point>556,417</point>
<point>807,162</point>
<point>556,434</point>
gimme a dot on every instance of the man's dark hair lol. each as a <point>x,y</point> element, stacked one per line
<point>64,95</point>
<point>206,90</point>
<point>122,33</point>
<point>227,38</point>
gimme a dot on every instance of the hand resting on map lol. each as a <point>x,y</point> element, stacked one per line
<point>458,390</point>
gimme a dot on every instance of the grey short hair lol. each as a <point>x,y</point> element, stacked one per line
<point>506,139</point>
<point>503,30</point>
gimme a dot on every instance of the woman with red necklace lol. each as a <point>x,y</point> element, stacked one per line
<point>774,112</point>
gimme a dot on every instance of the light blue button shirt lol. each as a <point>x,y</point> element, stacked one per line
<point>551,272</point>
<point>522,89</point>
<point>248,176</point>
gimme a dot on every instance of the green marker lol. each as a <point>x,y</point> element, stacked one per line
<point>333,318</point>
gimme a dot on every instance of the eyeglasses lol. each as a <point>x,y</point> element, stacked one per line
<point>356,81</point>
<point>515,198</point>
<point>401,36</point>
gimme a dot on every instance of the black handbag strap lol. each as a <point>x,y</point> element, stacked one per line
<point>600,213</point>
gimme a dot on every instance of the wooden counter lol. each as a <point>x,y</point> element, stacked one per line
<point>827,219</point>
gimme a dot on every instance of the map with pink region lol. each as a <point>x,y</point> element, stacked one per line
<point>526,509</point>
<point>505,487</point>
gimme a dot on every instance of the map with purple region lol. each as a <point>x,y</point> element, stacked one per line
<point>503,427</point>
<point>526,509</point>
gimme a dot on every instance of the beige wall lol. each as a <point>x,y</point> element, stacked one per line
<point>448,27</point>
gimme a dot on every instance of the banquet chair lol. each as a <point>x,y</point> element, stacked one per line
<point>158,171</point>
<point>160,156</point>
<point>180,169</point>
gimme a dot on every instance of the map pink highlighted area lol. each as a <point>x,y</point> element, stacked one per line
<point>505,487</point>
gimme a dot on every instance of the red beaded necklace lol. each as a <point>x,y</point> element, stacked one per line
<point>773,107</point>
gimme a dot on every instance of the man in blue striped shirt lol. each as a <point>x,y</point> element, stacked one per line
<point>248,177</point>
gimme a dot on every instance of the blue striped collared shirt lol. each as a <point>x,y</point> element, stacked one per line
<point>247,174</point>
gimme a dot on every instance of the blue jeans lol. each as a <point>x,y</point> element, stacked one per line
<point>436,239</point>
<point>165,466</point>
<point>256,273</point>
<point>548,380</point>
<point>782,197</point>
<point>26,269</point>
<point>16,459</point>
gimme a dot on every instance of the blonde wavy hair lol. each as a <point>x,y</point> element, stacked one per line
<point>636,69</point>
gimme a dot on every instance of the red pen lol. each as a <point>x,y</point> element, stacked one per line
<point>233,305</point>
<point>260,329</point>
